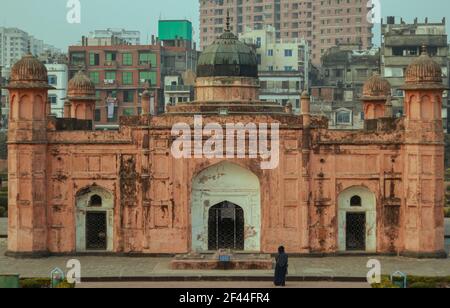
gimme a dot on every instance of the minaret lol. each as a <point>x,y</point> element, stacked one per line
<point>376,91</point>
<point>305,100</point>
<point>424,159</point>
<point>81,96</point>
<point>146,100</point>
<point>27,158</point>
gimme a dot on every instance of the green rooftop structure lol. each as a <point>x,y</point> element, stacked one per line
<point>169,30</point>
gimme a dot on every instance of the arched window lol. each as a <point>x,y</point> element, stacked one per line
<point>356,201</point>
<point>96,201</point>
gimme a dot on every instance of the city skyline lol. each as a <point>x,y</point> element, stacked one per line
<point>144,18</point>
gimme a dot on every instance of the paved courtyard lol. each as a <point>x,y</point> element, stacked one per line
<point>158,268</point>
<point>224,285</point>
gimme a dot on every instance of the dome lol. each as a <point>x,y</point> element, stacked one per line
<point>424,71</point>
<point>29,72</point>
<point>227,57</point>
<point>376,87</point>
<point>80,86</point>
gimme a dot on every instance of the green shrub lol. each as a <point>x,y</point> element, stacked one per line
<point>65,285</point>
<point>35,283</point>
<point>3,146</point>
<point>43,283</point>
<point>447,212</point>
<point>385,284</point>
<point>423,285</point>
<point>3,204</point>
<point>416,282</point>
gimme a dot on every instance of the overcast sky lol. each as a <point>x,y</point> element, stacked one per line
<point>46,19</point>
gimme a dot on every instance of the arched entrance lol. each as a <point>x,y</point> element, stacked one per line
<point>226,209</point>
<point>94,225</point>
<point>357,220</point>
<point>226,227</point>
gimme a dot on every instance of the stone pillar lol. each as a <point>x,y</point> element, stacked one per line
<point>146,101</point>
<point>374,109</point>
<point>67,108</point>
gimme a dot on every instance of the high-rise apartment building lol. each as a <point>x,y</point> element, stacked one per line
<point>322,23</point>
<point>15,43</point>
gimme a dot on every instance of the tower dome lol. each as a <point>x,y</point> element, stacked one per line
<point>424,72</point>
<point>376,88</point>
<point>81,87</point>
<point>29,72</point>
<point>228,57</point>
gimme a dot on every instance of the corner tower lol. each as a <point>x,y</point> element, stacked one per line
<point>424,159</point>
<point>27,156</point>
<point>376,91</point>
<point>81,96</point>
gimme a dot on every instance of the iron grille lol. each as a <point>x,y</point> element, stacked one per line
<point>226,227</point>
<point>356,231</point>
<point>96,238</point>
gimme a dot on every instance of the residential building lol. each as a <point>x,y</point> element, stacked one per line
<point>3,105</point>
<point>402,42</point>
<point>338,90</point>
<point>120,73</point>
<point>322,24</point>
<point>175,91</point>
<point>128,36</point>
<point>58,78</point>
<point>283,65</point>
<point>179,52</point>
<point>14,44</point>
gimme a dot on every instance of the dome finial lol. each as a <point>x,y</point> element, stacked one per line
<point>228,22</point>
<point>424,49</point>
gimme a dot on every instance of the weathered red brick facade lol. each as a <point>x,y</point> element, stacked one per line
<point>387,178</point>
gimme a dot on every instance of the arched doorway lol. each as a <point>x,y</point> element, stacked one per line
<point>94,225</point>
<point>226,227</point>
<point>226,196</point>
<point>357,220</point>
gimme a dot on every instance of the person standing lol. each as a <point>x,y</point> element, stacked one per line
<point>281,267</point>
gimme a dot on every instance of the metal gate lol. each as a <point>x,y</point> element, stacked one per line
<point>356,232</point>
<point>96,238</point>
<point>226,227</point>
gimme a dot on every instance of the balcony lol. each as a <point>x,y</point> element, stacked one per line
<point>112,65</point>
<point>177,88</point>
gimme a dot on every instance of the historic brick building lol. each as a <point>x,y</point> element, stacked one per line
<point>75,190</point>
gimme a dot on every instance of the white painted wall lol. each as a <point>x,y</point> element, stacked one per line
<point>62,74</point>
<point>226,182</point>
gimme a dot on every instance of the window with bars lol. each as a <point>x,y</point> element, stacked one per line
<point>127,78</point>
<point>127,59</point>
